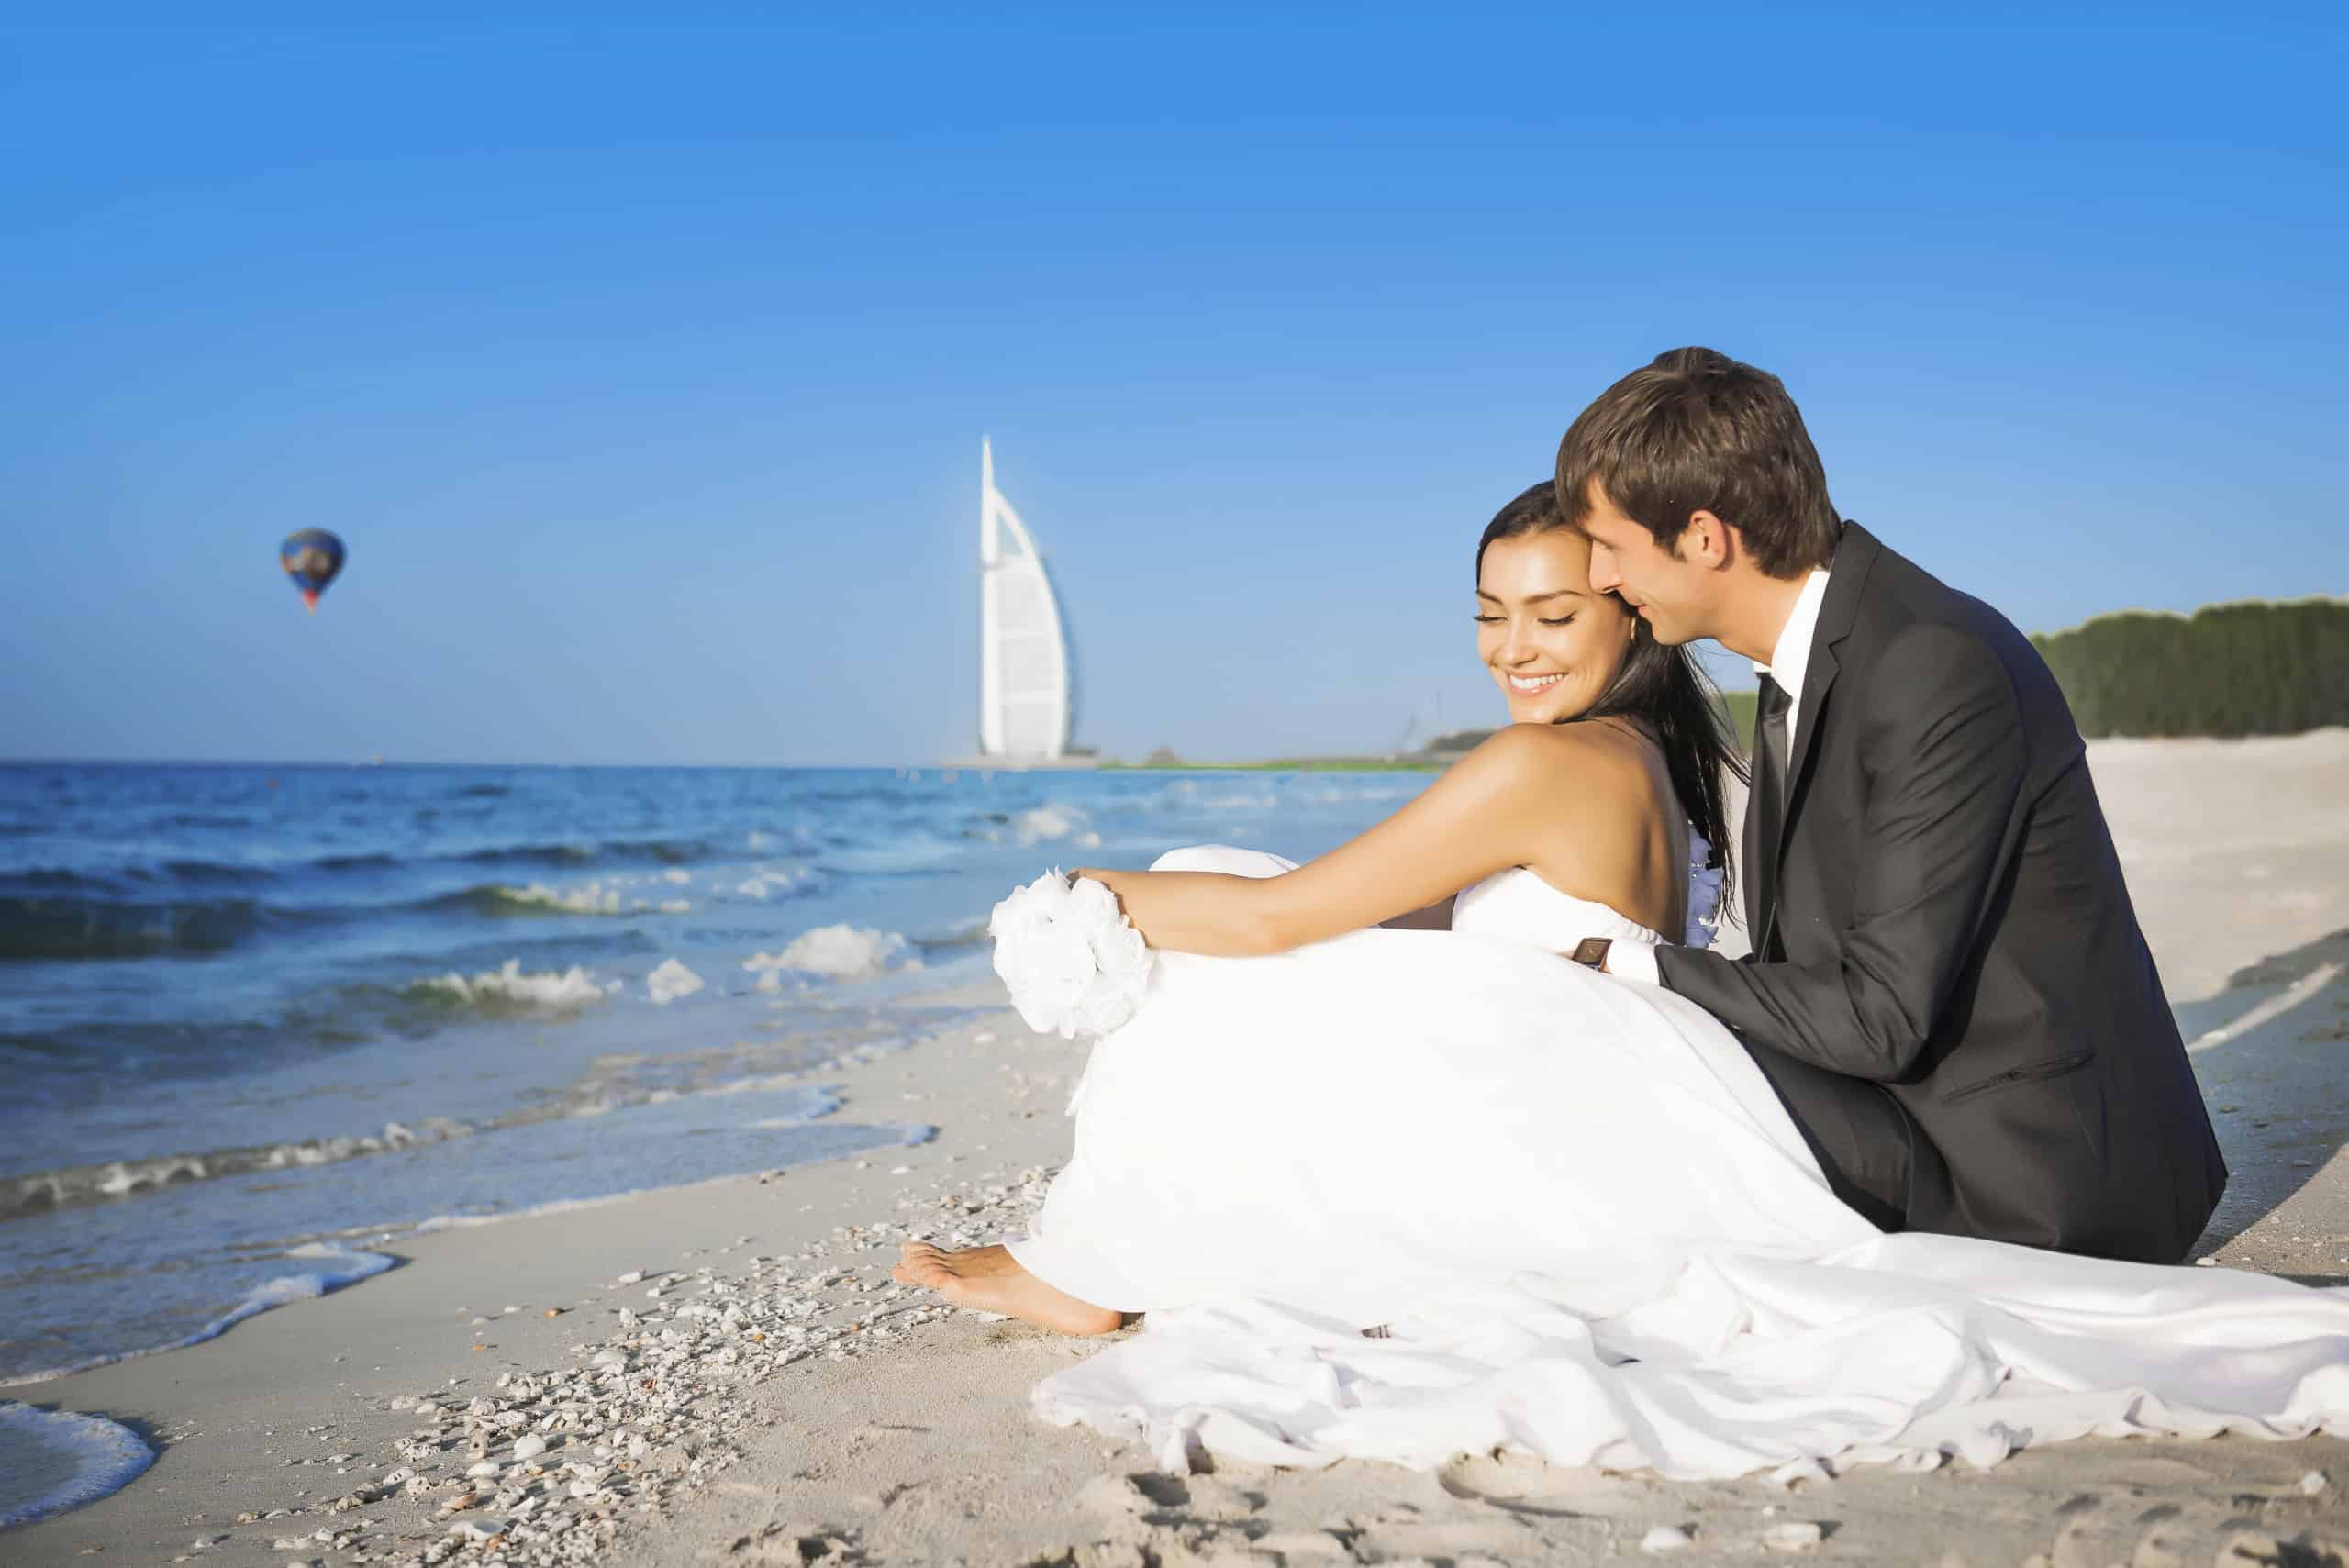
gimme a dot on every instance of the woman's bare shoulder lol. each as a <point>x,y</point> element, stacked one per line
<point>1589,778</point>
<point>1598,754</point>
<point>1594,798</point>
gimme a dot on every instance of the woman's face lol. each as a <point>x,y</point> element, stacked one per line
<point>1553,644</point>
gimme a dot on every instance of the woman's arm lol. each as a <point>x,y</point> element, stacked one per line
<point>1491,810</point>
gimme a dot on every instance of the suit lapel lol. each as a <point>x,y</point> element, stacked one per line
<point>1853,556</point>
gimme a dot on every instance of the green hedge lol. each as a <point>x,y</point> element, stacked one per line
<point>2240,669</point>
<point>1741,716</point>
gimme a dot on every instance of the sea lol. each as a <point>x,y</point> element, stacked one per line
<point>258,1023</point>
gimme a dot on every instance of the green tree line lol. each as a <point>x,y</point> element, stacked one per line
<point>2240,669</point>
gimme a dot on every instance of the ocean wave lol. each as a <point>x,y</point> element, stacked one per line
<point>911,853</point>
<point>600,1095</point>
<point>355,863</point>
<point>670,981</point>
<point>333,1267</point>
<point>52,1461</point>
<point>554,853</point>
<point>1204,795</point>
<point>34,880</point>
<point>536,898</point>
<point>507,986</point>
<point>51,915</point>
<point>971,933</point>
<point>836,952</point>
<point>765,883</point>
<point>72,1185</point>
<point>596,897</point>
<point>572,852</point>
<point>126,884</point>
<point>1052,822</point>
<point>216,871</point>
<point>94,929</point>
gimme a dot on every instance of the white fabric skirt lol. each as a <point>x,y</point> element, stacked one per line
<point>1597,1238</point>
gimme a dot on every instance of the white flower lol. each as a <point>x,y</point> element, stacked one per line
<point>1072,960</point>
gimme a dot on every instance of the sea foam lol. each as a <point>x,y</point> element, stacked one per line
<point>1052,822</point>
<point>671,981</point>
<point>597,897</point>
<point>334,1267</point>
<point>764,883</point>
<point>593,898</point>
<point>507,984</point>
<point>839,952</point>
<point>54,1459</point>
<point>71,1184</point>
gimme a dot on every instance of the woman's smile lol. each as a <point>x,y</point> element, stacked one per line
<point>1551,644</point>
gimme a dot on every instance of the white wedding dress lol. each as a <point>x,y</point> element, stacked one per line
<point>1593,1230</point>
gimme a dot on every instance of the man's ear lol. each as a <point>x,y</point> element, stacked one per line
<point>1707,541</point>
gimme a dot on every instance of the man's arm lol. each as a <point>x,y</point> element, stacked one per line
<point>1942,742</point>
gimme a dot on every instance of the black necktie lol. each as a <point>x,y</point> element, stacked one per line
<point>1765,810</point>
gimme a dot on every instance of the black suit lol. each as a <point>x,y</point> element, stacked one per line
<point>1952,959</point>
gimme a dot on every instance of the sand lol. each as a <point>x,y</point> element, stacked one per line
<point>896,1433</point>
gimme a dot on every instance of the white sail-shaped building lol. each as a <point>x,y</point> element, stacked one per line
<point>1024,676</point>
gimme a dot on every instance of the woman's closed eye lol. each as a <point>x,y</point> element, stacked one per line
<point>1545,620</point>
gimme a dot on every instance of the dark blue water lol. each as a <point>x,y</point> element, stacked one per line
<point>252,1016</point>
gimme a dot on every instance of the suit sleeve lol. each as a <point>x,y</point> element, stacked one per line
<point>1943,751</point>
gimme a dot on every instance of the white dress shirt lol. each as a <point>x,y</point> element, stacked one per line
<point>1789,661</point>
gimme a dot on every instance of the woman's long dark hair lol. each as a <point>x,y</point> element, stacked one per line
<point>1661,687</point>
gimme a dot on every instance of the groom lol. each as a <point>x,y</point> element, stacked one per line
<point>1948,987</point>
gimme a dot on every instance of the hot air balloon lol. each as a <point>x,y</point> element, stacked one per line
<point>311,558</point>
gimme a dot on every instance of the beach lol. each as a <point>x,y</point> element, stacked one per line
<point>722,1371</point>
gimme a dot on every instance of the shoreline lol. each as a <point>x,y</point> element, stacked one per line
<point>902,1432</point>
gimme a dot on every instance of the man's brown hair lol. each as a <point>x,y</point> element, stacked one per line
<point>1696,431</point>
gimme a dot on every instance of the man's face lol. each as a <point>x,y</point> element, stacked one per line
<point>1670,593</point>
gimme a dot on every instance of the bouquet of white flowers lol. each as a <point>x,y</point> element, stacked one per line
<point>1075,964</point>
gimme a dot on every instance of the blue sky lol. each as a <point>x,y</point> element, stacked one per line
<point>643,361</point>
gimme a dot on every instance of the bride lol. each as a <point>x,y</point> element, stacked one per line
<point>1394,1179</point>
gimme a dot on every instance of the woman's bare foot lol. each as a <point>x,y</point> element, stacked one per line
<point>991,1279</point>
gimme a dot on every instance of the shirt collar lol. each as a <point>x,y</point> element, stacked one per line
<point>1791,657</point>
